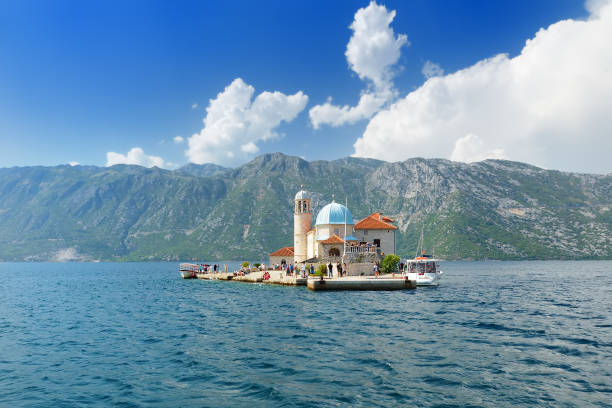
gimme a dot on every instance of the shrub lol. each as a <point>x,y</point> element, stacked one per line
<point>256,265</point>
<point>389,264</point>
<point>321,270</point>
<point>245,264</point>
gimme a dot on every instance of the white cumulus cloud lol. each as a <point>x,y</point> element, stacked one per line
<point>235,122</point>
<point>371,52</point>
<point>549,105</point>
<point>178,139</point>
<point>431,69</point>
<point>74,163</point>
<point>471,148</point>
<point>135,156</point>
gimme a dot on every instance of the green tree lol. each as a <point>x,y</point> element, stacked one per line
<point>389,264</point>
<point>246,264</point>
<point>321,270</point>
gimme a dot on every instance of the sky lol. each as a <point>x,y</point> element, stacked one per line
<point>160,83</point>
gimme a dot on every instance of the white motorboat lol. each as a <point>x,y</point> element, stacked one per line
<point>424,270</point>
<point>188,271</point>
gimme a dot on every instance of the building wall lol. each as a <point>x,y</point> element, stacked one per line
<point>301,225</point>
<point>278,259</point>
<point>387,238</point>
<point>328,230</point>
<point>310,244</point>
<point>324,249</point>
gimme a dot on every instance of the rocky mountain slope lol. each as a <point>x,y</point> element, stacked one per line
<point>488,210</point>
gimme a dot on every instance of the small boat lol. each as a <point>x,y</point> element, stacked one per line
<point>188,270</point>
<point>424,270</point>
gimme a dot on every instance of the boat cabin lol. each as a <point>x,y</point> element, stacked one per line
<point>422,266</point>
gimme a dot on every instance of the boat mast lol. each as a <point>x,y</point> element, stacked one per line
<point>420,243</point>
<point>345,211</point>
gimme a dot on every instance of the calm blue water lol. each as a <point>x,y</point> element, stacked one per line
<point>135,334</point>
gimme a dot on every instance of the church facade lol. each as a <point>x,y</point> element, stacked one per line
<point>335,232</point>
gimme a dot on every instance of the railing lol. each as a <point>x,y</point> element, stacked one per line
<point>361,249</point>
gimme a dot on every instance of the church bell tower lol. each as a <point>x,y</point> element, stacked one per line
<point>302,222</point>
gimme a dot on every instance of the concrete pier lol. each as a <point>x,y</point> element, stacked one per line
<point>276,278</point>
<point>386,282</point>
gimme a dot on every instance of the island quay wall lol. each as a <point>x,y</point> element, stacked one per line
<point>361,283</point>
<point>316,283</point>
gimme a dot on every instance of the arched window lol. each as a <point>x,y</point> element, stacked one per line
<point>334,252</point>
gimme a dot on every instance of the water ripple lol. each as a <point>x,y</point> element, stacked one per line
<point>493,334</point>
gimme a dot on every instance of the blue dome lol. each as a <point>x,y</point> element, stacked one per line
<point>333,213</point>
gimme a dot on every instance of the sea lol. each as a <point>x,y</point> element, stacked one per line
<point>493,334</point>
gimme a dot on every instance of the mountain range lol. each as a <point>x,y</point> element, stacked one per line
<point>493,209</point>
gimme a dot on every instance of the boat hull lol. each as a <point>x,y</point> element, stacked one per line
<point>188,275</point>
<point>425,279</point>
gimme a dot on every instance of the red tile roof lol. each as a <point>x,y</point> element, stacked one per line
<point>334,239</point>
<point>286,251</point>
<point>373,221</point>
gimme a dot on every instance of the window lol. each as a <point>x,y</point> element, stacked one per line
<point>377,243</point>
<point>365,232</point>
<point>337,231</point>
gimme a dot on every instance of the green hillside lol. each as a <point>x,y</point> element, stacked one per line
<point>487,210</point>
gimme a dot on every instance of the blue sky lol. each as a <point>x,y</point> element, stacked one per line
<point>81,79</point>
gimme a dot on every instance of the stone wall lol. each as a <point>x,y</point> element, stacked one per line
<point>386,237</point>
<point>357,269</point>
<point>278,259</point>
<point>363,257</point>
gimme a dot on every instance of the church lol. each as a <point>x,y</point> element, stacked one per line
<point>334,234</point>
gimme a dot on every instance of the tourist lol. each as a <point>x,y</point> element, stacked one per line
<point>344,268</point>
<point>311,269</point>
<point>330,270</point>
<point>339,270</point>
<point>288,271</point>
<point>303,270</point>
<point>291,269</point>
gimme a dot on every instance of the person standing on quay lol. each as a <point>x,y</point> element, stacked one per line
<point>339,270</point>
<point>330,269</point>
